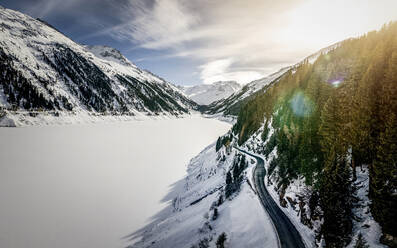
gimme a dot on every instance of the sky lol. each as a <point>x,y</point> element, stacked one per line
<point>190,42</point>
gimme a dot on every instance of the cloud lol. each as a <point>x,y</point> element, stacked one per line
<point>160,25</point>
<point>215,68</point>
<point>220,70</point>
<point>212,32</point>
<point>251,38</point>
<point>234,39</point>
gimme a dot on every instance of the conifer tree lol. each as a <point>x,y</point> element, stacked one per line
<point>384,179</point>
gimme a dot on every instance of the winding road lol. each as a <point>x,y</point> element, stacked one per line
<point>288,236</point>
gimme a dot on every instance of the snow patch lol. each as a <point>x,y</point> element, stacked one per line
<point>365,224</point>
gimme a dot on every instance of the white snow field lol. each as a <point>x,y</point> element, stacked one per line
<point>89,185</point>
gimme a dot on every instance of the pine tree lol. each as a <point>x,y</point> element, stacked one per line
<point>384,179</point>
<point>335,190</point>
<point>229,185</point>
<point>215,214</point>
<point>335,201</point>
<point>218,144</point>
<point>220,242</point>
<point>360,242</point>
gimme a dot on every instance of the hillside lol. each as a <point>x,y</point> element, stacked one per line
<point>327,122</point>
<point>47,74</point>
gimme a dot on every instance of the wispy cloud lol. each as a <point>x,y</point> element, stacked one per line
<point>245,40</point>
<point>222,70</point>
<point>211,32</point>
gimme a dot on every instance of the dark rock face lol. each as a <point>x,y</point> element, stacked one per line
<point>389,240</point>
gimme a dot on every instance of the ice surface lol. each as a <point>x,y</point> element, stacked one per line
<point>88,185</point>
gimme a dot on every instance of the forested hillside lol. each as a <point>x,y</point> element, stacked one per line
<point>331,117</point>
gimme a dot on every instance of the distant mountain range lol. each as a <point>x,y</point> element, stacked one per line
<point>205,94</point>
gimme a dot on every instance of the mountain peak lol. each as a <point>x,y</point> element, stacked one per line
<point>108,53</point>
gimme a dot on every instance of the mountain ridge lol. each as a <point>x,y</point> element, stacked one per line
<point>205,94</point>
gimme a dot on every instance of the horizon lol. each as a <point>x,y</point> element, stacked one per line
<point>201,47</point>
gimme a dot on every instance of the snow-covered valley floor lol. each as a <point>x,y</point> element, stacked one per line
<point>89,185</point>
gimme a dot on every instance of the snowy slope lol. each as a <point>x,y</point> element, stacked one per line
<point>259,84</point>
<point>109,54</point>
<point>188,220</point>
<point>205,94</point>
<point>47,73</point>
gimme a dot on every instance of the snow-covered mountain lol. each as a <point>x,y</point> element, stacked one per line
<point>205,94</point>
<point>46,73</point>
<point>231,105</point>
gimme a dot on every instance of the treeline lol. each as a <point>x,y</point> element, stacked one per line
<point>330,117</point>
<point>223,141</point>
<point>234,176</point>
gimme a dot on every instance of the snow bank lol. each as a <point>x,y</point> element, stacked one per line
<point>245,221</point>
<point>8,121</point>
<point>26,118</point>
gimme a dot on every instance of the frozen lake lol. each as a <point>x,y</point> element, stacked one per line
<point>90,185</point>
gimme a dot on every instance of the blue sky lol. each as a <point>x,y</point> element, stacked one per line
<point>190,42</point>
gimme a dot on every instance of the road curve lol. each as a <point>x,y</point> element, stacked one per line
<point>288,236</point>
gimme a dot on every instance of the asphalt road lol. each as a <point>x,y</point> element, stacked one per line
<point>287,234</point>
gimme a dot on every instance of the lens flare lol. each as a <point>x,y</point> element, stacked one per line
<point>336,83</point>
<point>301,105</point>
